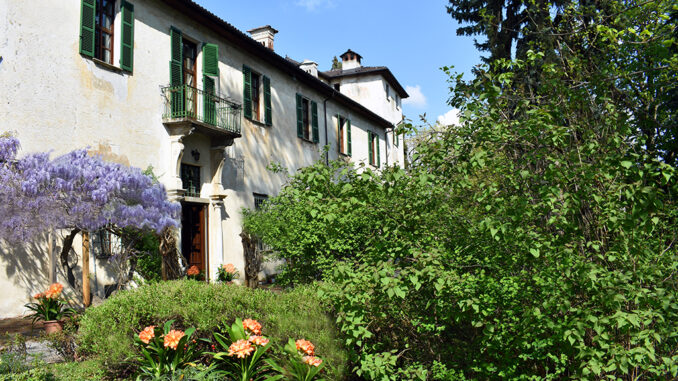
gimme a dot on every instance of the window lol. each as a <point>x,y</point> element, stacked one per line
<point>190,179</point>
<point>388,91</point>
<point>103,40</point>
<point>184,77</point>
<point>373,156</point>
<point>397,101</point>
<point>344,135</point>
<point>307,119</point>
<point>254,84</point>
<point>97,32</point>
<point>259,200</point>
<point>101,244</point>
<point>396,138</point>
<point>337,86</point>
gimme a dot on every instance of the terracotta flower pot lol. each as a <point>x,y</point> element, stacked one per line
<point>52,326</point>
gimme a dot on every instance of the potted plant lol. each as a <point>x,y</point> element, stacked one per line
<point>226,273</point>
<point>50,309</point>
<point>194,273</point>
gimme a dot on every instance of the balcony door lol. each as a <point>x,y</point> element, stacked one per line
<point>190,52</point>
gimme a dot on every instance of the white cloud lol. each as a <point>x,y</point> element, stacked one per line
<point>416,98</point>
<point>449,118</point>
<point>312,5</point>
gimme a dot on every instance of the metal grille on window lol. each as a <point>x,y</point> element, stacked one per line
<point>190,178</point>
<point>259,200</point>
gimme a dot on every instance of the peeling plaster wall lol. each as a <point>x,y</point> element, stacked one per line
<point>57,100</point>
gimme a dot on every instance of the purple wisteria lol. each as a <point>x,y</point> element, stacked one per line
<point>75,191</point>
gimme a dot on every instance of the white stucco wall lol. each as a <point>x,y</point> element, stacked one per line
<point>57,100</point>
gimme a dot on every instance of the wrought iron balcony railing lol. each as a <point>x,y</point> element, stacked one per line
<point>188,103</point>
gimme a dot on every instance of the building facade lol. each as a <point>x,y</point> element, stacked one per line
<point>170,85</point>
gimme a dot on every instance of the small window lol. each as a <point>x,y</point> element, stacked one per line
<point>397,101</point>
<point>190,179</point>
<point>388,92</point>
<point>307,119</point>
<point>256,108</point>
<point>259,200</point>
<point>255,85</point>
<point>344,135</point>
<point>373,156</point>
<point>101,244</point>
<point>337,86</point>
<point>104,21</point>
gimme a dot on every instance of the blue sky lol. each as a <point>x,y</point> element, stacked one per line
<point>413,38</point>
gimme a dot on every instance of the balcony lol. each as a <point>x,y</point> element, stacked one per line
<point>208,112</point>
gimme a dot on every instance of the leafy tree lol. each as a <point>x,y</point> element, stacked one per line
<point>336,64</point>
<point>537,240</point>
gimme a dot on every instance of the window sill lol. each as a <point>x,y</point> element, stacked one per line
<point>258,123</point>
<point>106,65</point>
<point>306,140</point>
<point>344,155</point>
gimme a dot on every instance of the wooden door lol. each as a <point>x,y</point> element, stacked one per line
<point>193,235</point>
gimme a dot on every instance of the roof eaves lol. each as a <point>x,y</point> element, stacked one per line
<point>229,31</point>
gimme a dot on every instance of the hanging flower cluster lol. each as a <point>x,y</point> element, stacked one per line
<point>75,190</point>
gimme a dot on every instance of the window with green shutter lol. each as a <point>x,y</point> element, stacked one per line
<point>376,142</point>
<point>370,148</point>
<point>268,112</point>
<point>87,25</point>
<point>300,117</point>
<point>210,79</point>
<point>348,137</point>
<point>176,72</point>
<point>127,36</point>
<point>247,91</point>
<point>314,122</point>
<point>344,135</point>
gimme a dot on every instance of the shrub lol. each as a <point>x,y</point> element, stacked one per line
<point>208,308</point>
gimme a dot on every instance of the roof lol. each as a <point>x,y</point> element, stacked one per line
<point>365,70</point>
<point>234,35</point>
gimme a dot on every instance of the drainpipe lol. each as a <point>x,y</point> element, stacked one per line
<point>327,155</point>
<point>392,129</point>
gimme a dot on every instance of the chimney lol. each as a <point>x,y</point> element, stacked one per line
<point>350,60</point>
<point>263,35</point>
<point>310,67</point>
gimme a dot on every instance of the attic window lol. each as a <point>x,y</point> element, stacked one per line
<point>337,86</point>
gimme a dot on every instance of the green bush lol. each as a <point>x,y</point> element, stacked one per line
<point>107,331</point>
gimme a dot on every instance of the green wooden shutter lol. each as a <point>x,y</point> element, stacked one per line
<point>339,137</point>
<point>268,113</point>
<point>210,60</point>
<point>87,22</point>
<point>369,148</point>
<point>176,73</point>
<point>314,122</point>
<point>300,117</point>
<point>376,138</point>
<point>208,100</point>
<point>396,138</point>
<point>247,91</point>
<point>348,135</point>
<point>127,37</point>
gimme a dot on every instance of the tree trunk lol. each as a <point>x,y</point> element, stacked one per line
<point>86,297</point>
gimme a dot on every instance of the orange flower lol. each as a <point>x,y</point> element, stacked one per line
<point>172,338</point>
<point>252,326</point>
<point>258,340</point>
<point>241,349</point>
<point>229,268</point>
<point>312,360</point>
<point>147,334</point>
<point>53,291</point>
<point>193,270</point>
<point>305,346</point>
<point>39,295</point>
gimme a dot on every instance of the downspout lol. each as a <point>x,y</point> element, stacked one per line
<point>327,154</point>
<point>392,128</point>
